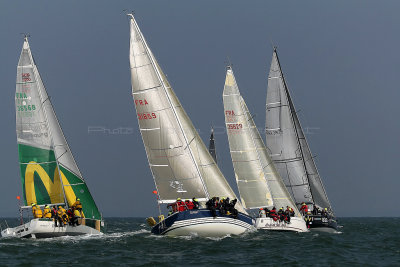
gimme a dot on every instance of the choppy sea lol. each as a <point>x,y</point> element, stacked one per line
<point>128,241</point>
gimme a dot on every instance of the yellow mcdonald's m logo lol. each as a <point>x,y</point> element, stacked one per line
<point>53,188</point>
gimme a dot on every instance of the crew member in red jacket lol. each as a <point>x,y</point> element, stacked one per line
<point>304,208</point>
<point>189,204</point>
<point>180,204</point>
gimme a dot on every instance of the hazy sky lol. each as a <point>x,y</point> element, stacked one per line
<point>341,60</point>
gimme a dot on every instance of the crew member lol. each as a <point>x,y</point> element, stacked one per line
<point>36,211</point>
<point>189,204</point>
<point>62,215</point>
<point>54,214</point>
<point>273,215</point>
<point>47,212</point>
<point>231,208</point>
<point>222,206</point>
<point>77,205</point>
<point>210,204</point>
<point>196,204</point>
<point>180,204</point>
<point>304,208</point>
<point>261,213</point>
<point>315,210</point>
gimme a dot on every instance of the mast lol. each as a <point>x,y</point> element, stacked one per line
<point>211,147</point>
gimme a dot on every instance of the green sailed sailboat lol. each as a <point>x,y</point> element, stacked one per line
<point>49,173</point>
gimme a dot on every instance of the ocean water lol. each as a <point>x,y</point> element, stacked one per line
<point>128,241</point>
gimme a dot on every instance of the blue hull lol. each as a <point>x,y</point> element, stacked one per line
<point>193,219</point>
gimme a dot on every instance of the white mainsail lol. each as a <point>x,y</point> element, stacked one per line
<point>258,181</point>
<point>287,143</point>
<point>179,160</point>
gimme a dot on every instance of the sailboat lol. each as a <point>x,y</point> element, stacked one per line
<point>291,154</point>
<point>49,173</point>
<point>178,159</point>
<point>260,185</point>
<point>211,146</point>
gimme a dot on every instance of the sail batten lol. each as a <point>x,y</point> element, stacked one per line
<point>287,142</point>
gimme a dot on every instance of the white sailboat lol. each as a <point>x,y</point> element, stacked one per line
<point>260,185</point>
<point>179,161</point>
<point>291,154</point>
<point>49,173</point>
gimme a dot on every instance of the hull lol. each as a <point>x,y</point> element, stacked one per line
<point>321,223</point>
<point>201,223</point>
<point>45,228</point>
<point>295,225</point>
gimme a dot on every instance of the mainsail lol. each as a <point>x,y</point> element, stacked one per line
<point>258,181</point>
<point>44,154</point>
<point>178,159</point>
<point>211,147</point>
<point>287,143</point>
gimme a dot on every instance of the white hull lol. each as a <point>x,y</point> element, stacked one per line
<point>209,227</point>
<point>42,228</point>
<point>295,225</point>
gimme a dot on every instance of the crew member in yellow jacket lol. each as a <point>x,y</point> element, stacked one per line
<point>47,212</point>
<point>62,213</point>
<point>36,211</point>
<point>77,206</point>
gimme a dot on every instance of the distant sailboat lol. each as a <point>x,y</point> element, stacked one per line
<point>259,183</point>
<point>179,161</point>
<point>49,172</point>
<point>290,152</point>
<point>211,147</point>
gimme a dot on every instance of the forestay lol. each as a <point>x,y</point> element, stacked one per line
<point>44,154</point>
<point>287,144</point>
<point>180,162</point>
<point>258,181</point>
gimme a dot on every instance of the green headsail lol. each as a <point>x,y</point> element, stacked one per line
<point>49,173</point>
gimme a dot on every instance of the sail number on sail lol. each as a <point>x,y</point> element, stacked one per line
<point>146,116</point>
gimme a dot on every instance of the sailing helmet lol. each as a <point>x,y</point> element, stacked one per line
<point>33,204</point>
<point>178,198</point>
<point>59,207</point>
<point>78,199</point>
<point>326,208</point>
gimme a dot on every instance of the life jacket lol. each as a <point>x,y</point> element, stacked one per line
<point>38,213</point>
<point>304,208</point>
<point>77,213</point>
<point>47,213</point>
<point>190,205</point>
<point>180,205</point>
<point>62,212</point>
<point>77,205</point>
